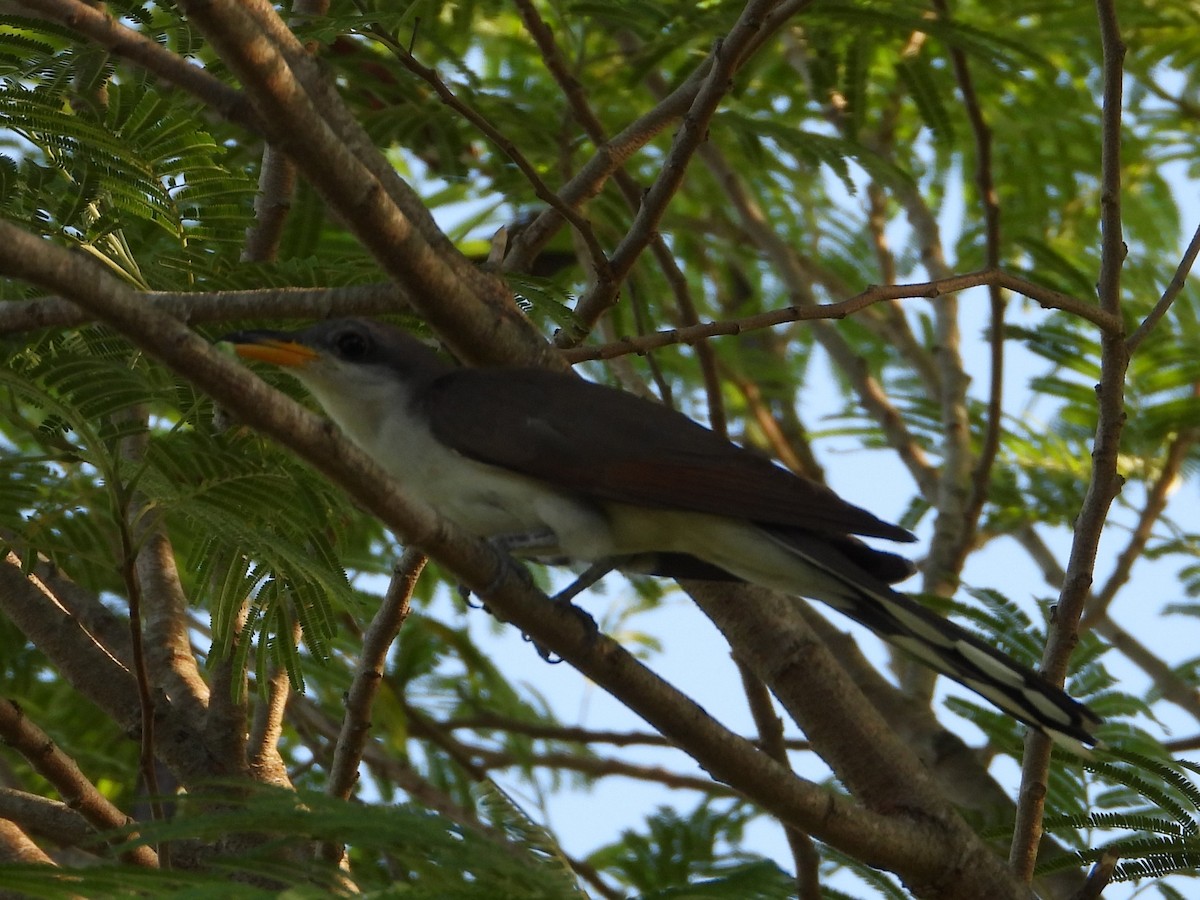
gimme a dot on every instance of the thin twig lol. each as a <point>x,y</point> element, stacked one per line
<point>488,721</point>
<point>312,722</point>
<point>1166,679</point>
<point>631,192</point>
<point>592,176</point>
<point>798,459</point>
<point>1168,296</point>
<point>591,875</point>
<point>556,65</point>
<point>1047,298</point>
<point>1104,483</point>
<point>728,55</point>
<point>805,858</point>
<point>890,325</point>
<point>598,767</point>
<point>368,675</point>
<point>985,182</point>
<point>543,192</point>
<point>1156,503</point>
<point>133,589</point>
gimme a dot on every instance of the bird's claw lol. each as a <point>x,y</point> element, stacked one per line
<point>584,617</point>
<point>505,565</point>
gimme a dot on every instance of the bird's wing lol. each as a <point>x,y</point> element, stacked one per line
<point>610,445</point>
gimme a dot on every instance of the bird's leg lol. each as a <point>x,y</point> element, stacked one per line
<point>526,544</point>
<point>586,579</point>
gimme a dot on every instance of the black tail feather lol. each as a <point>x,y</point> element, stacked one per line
<point>948,648</point>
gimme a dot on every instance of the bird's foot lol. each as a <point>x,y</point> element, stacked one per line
<point>585,619</point>
<point>563,598</point>
<point>505,545</point>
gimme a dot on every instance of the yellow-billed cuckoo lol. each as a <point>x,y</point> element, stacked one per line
<point>583,472</point>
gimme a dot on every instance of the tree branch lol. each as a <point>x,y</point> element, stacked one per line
<point>1165,678</point>
<point>368,675</point>
<point>16,847</point>
<point>490,721</point>
<point>766,630</point>
<point>46,818</point>
<point>540,189</point>
<point>1157,495</point>
<point>61,771</point>
<point>1105,483</point>
<point>262,744</point>
<point>220,306</point>
<point>94,23</point>
<point>1169,295</point>
<point>591,177</point>
<point>308,121</point>
<point>728,55</point>
<point>805,858</point>
<point>76,653</point>
<point>960,538</point>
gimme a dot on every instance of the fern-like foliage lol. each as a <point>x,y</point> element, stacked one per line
<point>1158,816</point>
<point>392,851</point>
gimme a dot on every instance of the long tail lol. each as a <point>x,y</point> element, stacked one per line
<point>945,647</point>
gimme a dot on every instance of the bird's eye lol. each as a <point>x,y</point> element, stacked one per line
<point>351,345</point>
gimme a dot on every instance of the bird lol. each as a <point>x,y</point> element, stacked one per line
<point>558,469</point>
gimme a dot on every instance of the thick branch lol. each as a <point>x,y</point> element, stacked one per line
<point>16,847</point>
<point>46,818</point>
<point>767,632</point>
<point>220,306</point>
<point>262,744</point>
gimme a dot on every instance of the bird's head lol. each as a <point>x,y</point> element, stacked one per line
<point>343,358</point>
<point>362,373</point>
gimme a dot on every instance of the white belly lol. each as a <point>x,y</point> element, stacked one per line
<point>481,499</point>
